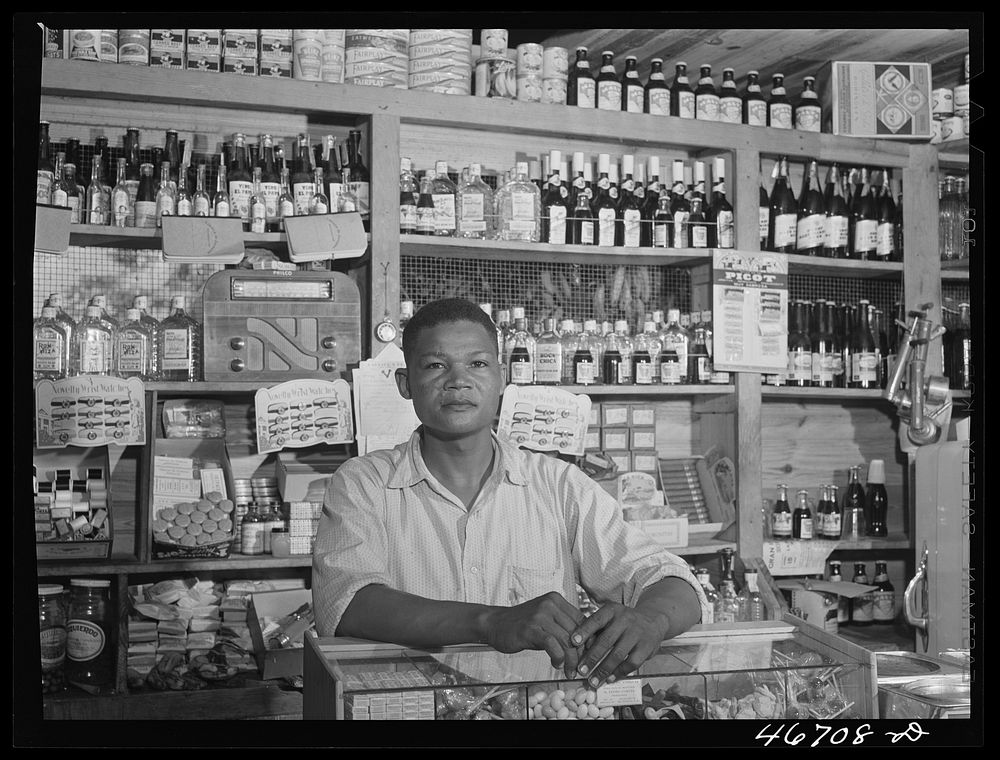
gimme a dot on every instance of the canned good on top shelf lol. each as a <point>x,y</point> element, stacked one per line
<point>529,88</point>
<point>529,59</point>
<point>942,103</point>
<point>493,43</point>
<point>307,54</point>
<point>85,44</point>
<point>555,63</point>
<point>441,36</point>
<point>376,57</point>
<point>496,78</point>
<point>952,128</point>
<point>554,91</point>
<point>133,46</point>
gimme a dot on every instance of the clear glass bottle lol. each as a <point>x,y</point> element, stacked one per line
<point>185,201</point>
<point>55,300</point>
<point>90,652</point>
<point>706,99</point>
<point>409,192</point>
<point>656,94</point>
<point>727,607</point>
<point>252,531</point>
<point>221,205</point>
<point>94,344</point>
<point>152,324</point>
<point>443,192</point>
<point>98,199</point>
<point>133,348</point>
<point>730,103</point>
<point>779,109</point>
<point>257,203</point>
<point>781,514</point>
<point>52,637</point>
<point>625,347</point>
<point>120,202</point>
<point>319,203</point>
<point>286,201</point>
<point>646,358</point>
<point>201,203</point>
<point>166,199</point>
<point>569,338</point>
<point>51,346</point>
<point>521,369</point>
<point>701,574</point>
<point>425,205</point>
<point>347,199</point>
<point>584,362</point>
<point>754,105</point>
<point>179,345</point>
<point>519,207</point>
<point>65,191</point>
<point>808,113</point>
<point>751,603</point>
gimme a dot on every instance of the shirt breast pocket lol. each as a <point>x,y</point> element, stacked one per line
<point>527,583</point>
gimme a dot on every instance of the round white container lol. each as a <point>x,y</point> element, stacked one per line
<point>555,63</point>
<point>333,57</point>
<point>493,43</point>
<point>554,91</point>
<point>935,131</point>
<point>952,128</point>
<point>529,59</point>
<point>961,99</point>
<point>307,54</point>
<point>85,44</point>
<point>529,88</point>
<point>942,103</point>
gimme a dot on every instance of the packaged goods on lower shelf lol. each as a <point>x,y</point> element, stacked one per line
<point>72,504</point>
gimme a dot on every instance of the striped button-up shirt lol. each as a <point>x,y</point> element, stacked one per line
<point>538,525</point>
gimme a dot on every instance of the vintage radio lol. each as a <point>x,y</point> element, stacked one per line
<point>273,325</point>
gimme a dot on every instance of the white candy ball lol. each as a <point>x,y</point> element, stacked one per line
<point>582,712</point>
<point>562,713</point>
<point>593,711</point>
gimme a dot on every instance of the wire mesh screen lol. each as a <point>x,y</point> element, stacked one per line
<point>882,294</point>
<point>954,293</point>
<point>544,289</point>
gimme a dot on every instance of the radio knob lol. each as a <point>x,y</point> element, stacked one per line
<point>329,342</point>
<point>237,344</point>
<point>329,366</point>
<point>237,365</point>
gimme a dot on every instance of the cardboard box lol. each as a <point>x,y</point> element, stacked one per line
<point>595,414</point>
<point>818,600</point>
<point>615,438</point>
<point>204,42</point>
<point>592,438</point>
<point>622,460</point>
<point>642,415</point>
<point>275,663</point>
<point>276,69</point>
<point>645,461</point>
<point>305,477</point>
<point>166,59</point>
<point>614,415</point>
<point>239,65</point>
<point>204,62</point>
<point>240,43</point>
<point>670,532</point>
<point>876,99</point>
<point>171,40</point>
<point>642,438</point>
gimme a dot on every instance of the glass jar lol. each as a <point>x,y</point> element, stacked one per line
<point>89,637</point>
<point>52,636</point>
<point>281,543</point>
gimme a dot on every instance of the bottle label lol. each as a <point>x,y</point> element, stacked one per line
<point>865,235</point>
<point>785,228</point>
<point>764,219</point>
<point>84,640</point>
<point>251,538</point>
<point>632,219</point>
<point>781,115</point>
<point>318,206</point>
<point>361,191</point>
<point>271,192</point>
<point>807,118</point>
<point>73,201</point>
<point>132,185</point>
<point>557,224</point>
<point>239,196</point>
<point>48,352</point>
<point>584,373</point>
<point>699,236</point>
<point>805,528</point>
<point>685,105</point>
<point>822,371</point>
<point>586,232</point>
<point>810,231</point>
<point>548,363</point>
<point>730,110</point>
<point>609,96</point>
<point>884,606</point>
<point>704,369</point>
<point>175,349</point>
<point>613,192</point>
<point>659,101</point>
<point>606,226</point>
<point>52,642</point>
<point>680,229</point>
<point>707,107</point>
<point>336,190</point>
<point>864,367</point>
<point>94,356</point>
<point>407,218</point>
<point>473,218</point>
<point>586,92</point>
<point>633,99</point>
<point>726,238</point>
<point>521,373</point>
<point>222,209</point>
<point>184,207</point>
<point>670,372</point>
<point>724,616</point>
<point>43,187</point>
<point>831,525</point>
<point>862,607</point>
<point>425,219</point>
<point>835,232</point>
<point>303,193</point>
<point>444,211</point>
<point>757,113</point>
<point>885,236</point>
<point>130,355</point>
<point>644,373</point>
<point>59,198</point>
<point>781,524</point>
<point>165,205</point>
<point>286,208</point>
<point>661,234</point>
<point>799,365</point>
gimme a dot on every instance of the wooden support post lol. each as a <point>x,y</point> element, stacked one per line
<point>383,282</point>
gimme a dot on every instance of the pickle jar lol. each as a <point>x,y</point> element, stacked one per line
<point>89,639</point>
<point>52,636</point>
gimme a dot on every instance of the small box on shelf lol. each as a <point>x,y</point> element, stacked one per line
<point>72,510</point>
<point>263,608</point>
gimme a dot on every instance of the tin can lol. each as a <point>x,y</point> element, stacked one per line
<point>108,51</point>
<point>204,62</point>
<point>935,131</point>
<point>496,78</point>
<point>276,45</point>
<point>555,63</point>
<point>376,57</point>
<point>942,103</point>
<point>493,43</point>
<point>435,36</point>
<point>133,46</point>
<point>451,80</point>
<point>392,40</point>
<point>554,91</point>
<point>54,44</point>
<point>952,128</point>
<point>307,54</point>
<point>529,88</point>
<point>85,44</point>
<point>965,123</point>
<point>333,62</point>
<point>529,59</point>
<point>961,99</point>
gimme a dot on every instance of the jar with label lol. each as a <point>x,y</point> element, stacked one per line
<point>281,543</point>
<point>89,638</point>
<point>52,636</point>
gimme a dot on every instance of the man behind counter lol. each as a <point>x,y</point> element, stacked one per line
<point>458,537</point>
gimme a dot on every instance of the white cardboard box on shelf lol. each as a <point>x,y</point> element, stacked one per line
<point>887,100</point>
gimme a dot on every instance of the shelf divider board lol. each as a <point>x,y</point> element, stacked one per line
<point>120,583</point>
<point>749,472</point>
<point>384,274</point>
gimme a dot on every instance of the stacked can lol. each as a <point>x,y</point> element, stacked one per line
<point>529,72</point>
<point>555,74</point>
<point>276,53</point>
<point>240,51</point>
<point>496,71</point>
<point>440,60</point>
<point>962,108</point>
<point>133,46</point>
<point>307,54</point>
<point>85,44</point>
<point>108,48</point>
<point>333,55</point>
<point>376,57</point>
<point>242,499</point>
<point>167,48</point>
<point>204,50</point>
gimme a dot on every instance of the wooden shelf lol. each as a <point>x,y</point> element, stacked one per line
<point>955,271</point>
<point>954,153</point>
<point>822,394</point>
<point>702,544</point>
<point>234,562</point>
<point>893,541</point>
<point>649,390</point>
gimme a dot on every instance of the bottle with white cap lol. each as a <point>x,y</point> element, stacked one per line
<point>180,344</point>
<point>680,208</point>
<point>651,202</point>
<point>629,214</point>
<point>554,211</point>
<point>876,500</point>
<point>604,205</point>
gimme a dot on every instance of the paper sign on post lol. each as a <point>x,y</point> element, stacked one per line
<point>90,410</point>
<point>384,418</point>
<point>325,236</point>
<point>302,413</point>
<point>544,419</point>
<point>52,229</point>
<point>214,240</point>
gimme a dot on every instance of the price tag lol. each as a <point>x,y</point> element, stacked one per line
<point>90,410</point>
<point>203,238</point>
<point>325,236</point>
<point>626,692</point>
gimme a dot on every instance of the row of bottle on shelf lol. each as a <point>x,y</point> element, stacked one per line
<point>100,344</point>
<point>874,607</point>
<point>730,603</point>
<point>954,223</point>
<point>252,182</point>
<point>862,513</point>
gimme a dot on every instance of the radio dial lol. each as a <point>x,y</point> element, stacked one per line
<point>329,342</point>
<point>237,344</point>
<point>237,365</point>
<point>329,366</point>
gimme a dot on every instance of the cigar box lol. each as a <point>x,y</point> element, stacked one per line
<point>275,663</point>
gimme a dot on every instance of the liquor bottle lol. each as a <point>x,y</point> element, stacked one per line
<point>843,603</point>
<point>609,89</point>
<point>678,339</point>
<point>706,99</point>
<point>332,171</point>
<point>240,182</point>
<point>799,369</point>
<point>625,347</point>
<point>864,357</point>
<point>864,220</point>
<point>94,344</point>
<point>876,500</point>
<point>751,602</point>
<point>166,199</point>
<point>258,203</point>
<point>474,205</point>
<point>409,193</point>
<point>662,223</point>
<point>698,228</point>
<point>781,515</point>
<point>359,177</point>
<point>172,155</point>
<point>521,370</point>
<point>698,186</point>
<point>98,202</point>
<point>656,94</point>
<point>50,346</point>
<point>133,350</point>
<point>754,105</point>
<point>862,607</point>
<point>603,206</point>
<point>808,113</point>
<point>611,361</point>
<point>884,600</point>
<point>221,206</point>
<point>581,90</point>
<point>811,225</point>
<point>133,170</point>
<point>120,203</point>
<point>151,324</point>
<point>646,356</point>
<point>629,212</point>
<point>55,300</point>
<point>270,184</point>
<point>518,205</point>
<point>958,366</point>
<point>291,628</point>
<point>614,191</point>
<point>763,214</point>
<point>319,203</point>
<point>65,192</point>
<point>584,361</point>
<point>548,355</point>
<point>145,200</point>
<point>680,208</point>
<point>46,169</point>
<point>824,353</point>
<point>201,204</point>
<point>711,595</point>
<point>632,99</point>
<point>347,200</point>
<point>822,510</point>
<point>699,362</point>
<point>833,523</point>
<point>681,95</point>
<point>582,225</point>
<point>779,110</point>
<point>183,200</point>
<point>252,531</point>
<point>578,181</point>
<point>425,205</point>
<point>897,250</point>
<point>853,509</point>
<point>650,204</point>
<point>836,222</point>
<point>783,215</point>
<point>720,212</point>
<point>101,301</point>
<point>302,177</point>
<point>730,103</point>
<point>727,607</point>
<point>179,345</point>
<point>886,230</point>
<point>554,211</point>
<point>802,522</point>
<point>443,192</point>
<point>570,334</point>
<point>882,346</point>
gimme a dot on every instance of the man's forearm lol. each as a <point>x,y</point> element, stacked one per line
<point>674,601</point>
<point>383,614</point>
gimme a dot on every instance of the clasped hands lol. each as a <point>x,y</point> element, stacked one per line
<point>602,648</point>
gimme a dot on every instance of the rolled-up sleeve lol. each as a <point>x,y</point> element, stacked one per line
<point>350,550</point>
<point>617,560</point>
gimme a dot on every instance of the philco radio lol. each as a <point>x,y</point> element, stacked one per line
<point>274,325</point>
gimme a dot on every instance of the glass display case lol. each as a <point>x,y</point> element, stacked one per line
<point>761,670</point>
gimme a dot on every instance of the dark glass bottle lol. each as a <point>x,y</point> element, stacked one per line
<point>680,207</point>
<point>650,203</point>
<point>720,211</point>
<point>754,105</point>
<point>808,113</point>
<point>862,607</point>
<point>629,212</point>
<point>885,246</point>
<point>699,363</point>
<point>811,223</point>
<point>882,342</point>
<point>864,352</point>
<point>764,216</point>
<point>824,356</point>
<point>884,607</point>
<point>656,94</point>
<point>554,208</point>
<point>582,227</point>
<point>90,636</point>
<point>781,514</point>
<point>853,505</point>
<point>838,344</point>
<point>425,206</point>
<point>706,99</point>
<point>698,228</point>
<point>779,109</point>
<point>730,103</point>
<point>864,220</point>
<point>802,521</point>
<point>360,177</point>
<point>783,220</point>
<point>581,90</point>
<point>670,371</point>
<point>172,153</point>
<point>609,89</point>
<point>681,94</point>
<point>832,523</point>
<point>145,200</point>
<point>836,222</point>
<point>240,182</point>
<point>611,363</point>
<point>302,177</point>
<point>46,169</point>
<point>603,206</point>
<point>662,223</point>
<point>960,374</point>
<point>897,251</point>
<point>633,99</point>
<point>799,371</point>
<point>270,183</point>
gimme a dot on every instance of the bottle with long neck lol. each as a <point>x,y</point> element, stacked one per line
<point>603,206</point>
<point>184,198</point>
<point>145,200</point>
<point>319,203</point>
<point>958,365</point>
<point>270,184</point>
<point>720,211</point>
<point>554,210</point>
<point>201,203</point>
<point>656,94</point>
<point>882,343</point>
<point>754,105</point>
<point>425,206</point>
<point>862,607</point>
<point>799,370</point>
<point>650,203</point>
<point>609,88</point>
<point>221,206</point>
<point>240,181</point>
<point>409,194</point>
<point>584,363</point>
<point>46,169</point>
<point>682,102</point>
<point>581,89</point>
<point>443,192</point>
<point>896,188</point>
<point>360,178</point>
<point>864,356</point>
<point>886,231</point>
<point>67,193</point>
<point>646,355</point>
<point>824,354</point>
<point>629,212</point>
<point>302,177</point>
<point>98,203</point>
<point>680,207</point>
<point>51,347</point>
<point>698,227</point>
<point>133,170</point>
<point>779,109</point>
<point>730,103</point>
<point>258,204</point>
<point>808,113</point>
<point>55,300</point>
<point>677,337</point>
<point>180,345</point>
<point>706,99</point>
<point>332,171</point>
<point>864,216</point>
<point>120,202</point>
<point>811,225</point>
<point>876,500</point>
<point>632,90</point>
<point>836,221</point>
<point>166,198</point>
<point>884,607</point>
<point>783,220</point>
<point>699,370</point>
<point>172,155</point>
